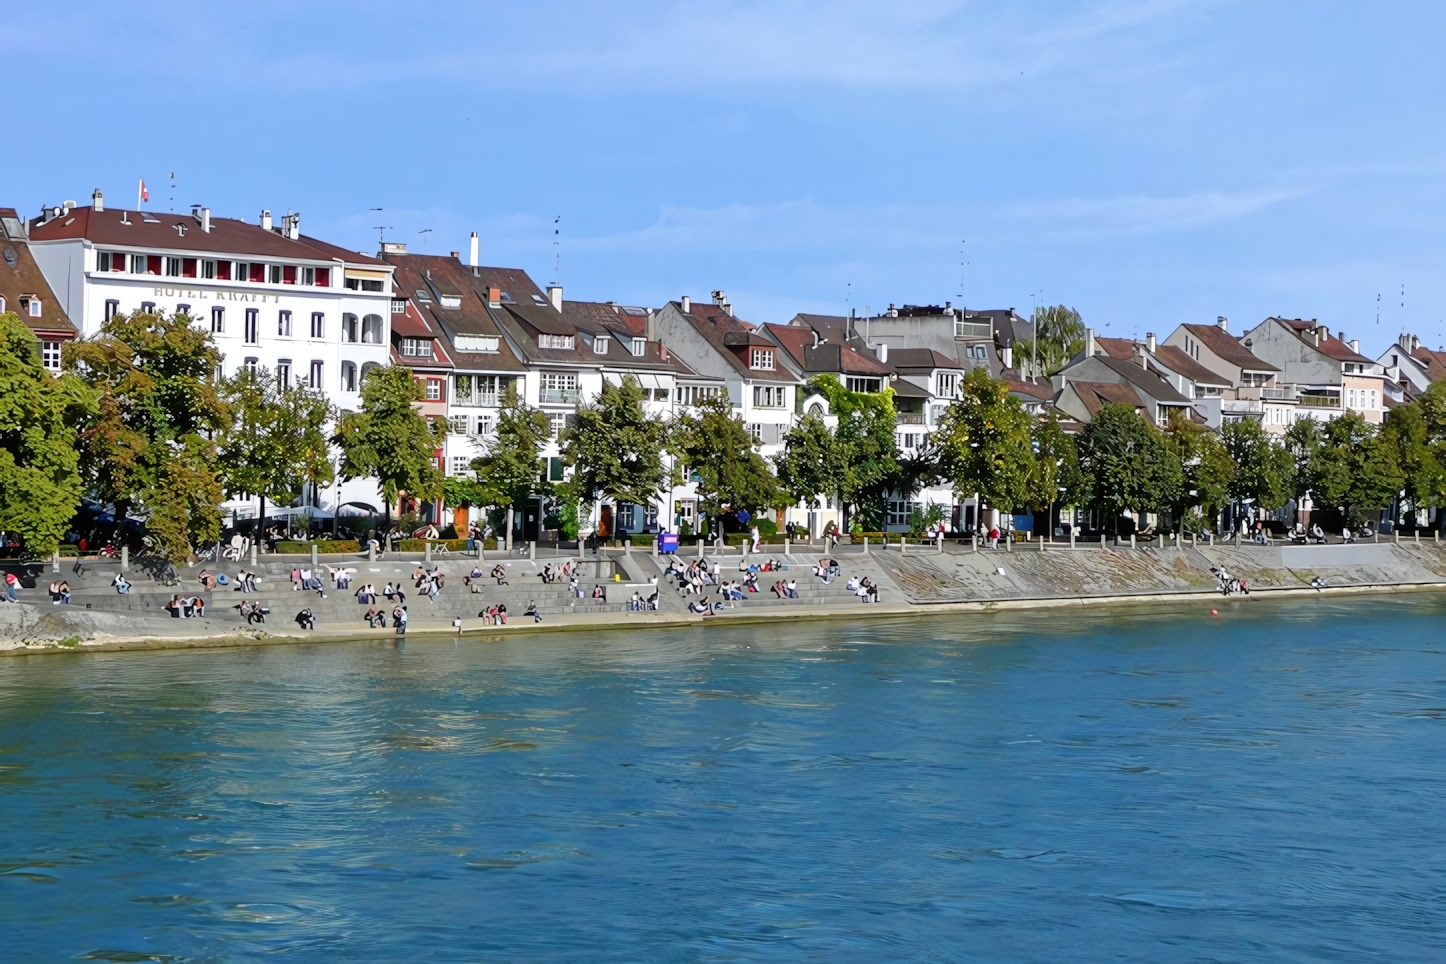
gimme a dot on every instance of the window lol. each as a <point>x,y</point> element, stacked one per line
<point>318,325</point>
<point>31,306</point>
<point>461,465</point>
<point>908,440</point>
<point>275,274</point>
<point>367,369</point>
<point>482,343</point>
<point>283,324</point>
<point>372,330</point>
<point>364,284</point>
<point>250,364</point>
<point>693,394</point>
<point>323,277</point>
<point>348,376</point>
<point>555,469</point>
<point>253,316</point>
<point>558,388</point>
<point>173,267</point>
<point>769,396</point>
<point>153,264</point>
<point>484,425</point>
<point>640,345</point>
<point>2,306</point>
<point>899,512</point>
<point>148,307</point>
<point>600,345</point>
<point>1254,379</point>
<point>110,261</point>
<point>762,359</point>
<point>350,328</point>
<point>477,389</point>
<point>188,267</point>
<point>856,384</point>
<point>755,431</point>
<point>316,371</point>
<point>288,274</point>
<point>556,422</point>
<point>399,306</point>
<point>978,352</point>
<point>434,389</point>
<point>258,273</point>
<point>414,347</point>
<point>563,342</point>
<point>183,309</point>
<point>111,307</point>
<point>423,296</point>
<point>283,372</point>
<point>457,424</point>
<point>223,271</point>
<point>50,355</point>
<point>208,270</point>
<point>627,516</point>
<point>948,384</point>
<point>660,394</point>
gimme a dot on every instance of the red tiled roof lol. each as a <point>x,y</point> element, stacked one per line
<point>1228,349</point>
<point>1180,363</point>
<point>24,279</point>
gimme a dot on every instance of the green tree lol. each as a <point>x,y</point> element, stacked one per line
<point>510,471</point>
<point>985,446</point>
<point>865,437</point>
<point>1206,469</point>
<point>40,418</point>
<point>1303,441</point>
<point>1353,469</point>
<point>1407,435</point>
<point>1055,476</point>
<point>1060,335</point>
<point>1128,463</point>
<point>615,448</point>
<point>389,440</point>
<point>715,445</point>
<point>150,444</point>
<point>812,462</point>
<point>1263,466</point>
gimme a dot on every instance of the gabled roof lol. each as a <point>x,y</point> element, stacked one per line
<point>1330,346</point>
<point>922,358</point>
<point>429,274</point>
<point>21,277</point>
<point>148,229</point>
<point>1432,362</point>
<point>1152,384</point>
<point>713,323</point>
<point>1228,349</point>
<point>1096,395</point>
<point>1044,391</point>
<point>1180,363</point>
<point>606,315</point>
<point>1120,348</point>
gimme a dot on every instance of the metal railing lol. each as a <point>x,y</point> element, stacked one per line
<point>1320,401</point>
<point>477,400</point>
<point>1278,393</point>
<point>910,418</point>
<point>973,329</point>
<point>558,396</point>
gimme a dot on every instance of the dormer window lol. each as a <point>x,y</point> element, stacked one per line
<point>422,295</point>
<point>561,342</point>
<point>640,345</point>
<point>30,305</point>
<point>948,384</point>
<point>761,360</point>
<point>600,345</point>
<point>417,347</point>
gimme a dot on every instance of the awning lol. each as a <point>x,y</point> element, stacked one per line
<point>643,379</point>
<point>365,274</point>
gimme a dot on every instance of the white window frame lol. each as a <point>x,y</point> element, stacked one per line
<point>283,324</point>
<point>318,369</point>
<point>348,376</point>
<point>434,390</point>
<point>318,324</point>
<point>761,360</point>
<point>218,319</point>
<point>50,355</point>
<point>252,326</point>
<point>555,342</point>
<point>600,345</point>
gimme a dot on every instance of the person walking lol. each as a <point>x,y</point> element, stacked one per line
<point>753,534</point>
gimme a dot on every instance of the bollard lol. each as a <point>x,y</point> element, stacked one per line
<point>939,543</point>
<point>1132,540</point>
<point>866,545</point>
<point>313,555</point>
<point>371,552</point>
<point>1008,542</point>
<point>55,561</point>
<point>1237,538</point>
<point>902,543</point>
<point>1396,535</point>
<point>427,550</point>
<point>785,545</point>
<point>1192,540</point>
<point>126,558</point>
<point>657,538</point>
<point>1418,537</point>
<point>974,539</point>
<point>532,551</point>
<point>253,553</point>
<point>1102,540</point>
<point>1041,543</point>
<point>1071,536</point>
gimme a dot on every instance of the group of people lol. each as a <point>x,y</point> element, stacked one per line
<point>1229,584</point>
<point>827,570</point>
<point>866,589</point>
<point>59,592</point>
<point>1300,535</point>
<point>429,582</point>
<point>693,578</point>
<point>377,618</point>
<point>252,612</point>
<point>184,607</point>
<point>786,589</point>
<point>552,572</point>
<point>305,579</point>
<point>638,604</point>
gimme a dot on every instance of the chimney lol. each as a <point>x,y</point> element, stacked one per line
<point>554,295</point>
<point>883,352</point>
<point>293,226</point>
<point>457,255</point>
<point>1355,344</point>
<point>472,253</point>
<point>1325,333</point>
<point>266,220</point>
<point>68,205</point>
<point>1415,343</point>
<point>687,304</point>
<point>494,295</point>
<point>97,202</point>
<point>651,330</point>
<point>1222,322</point>
<point>1007,355</point>
<point>1150,342</point>
<point>1090,346</point>
<point>720,297</point>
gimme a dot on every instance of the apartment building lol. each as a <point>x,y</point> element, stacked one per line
<point>25,292</point>
<point>1247,385</point>
<point>1410,366</point>
<point>1324,374</point>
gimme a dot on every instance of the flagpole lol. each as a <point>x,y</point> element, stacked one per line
<point>140,186</point>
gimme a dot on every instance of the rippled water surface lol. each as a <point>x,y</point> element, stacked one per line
<point>1061,786</point>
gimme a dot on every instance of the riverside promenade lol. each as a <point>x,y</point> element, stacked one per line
<point>915,580</point>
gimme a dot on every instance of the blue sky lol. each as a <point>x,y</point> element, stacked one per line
<point>1149,162</point>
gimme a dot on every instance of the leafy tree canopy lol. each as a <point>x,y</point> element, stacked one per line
<point>715,444</point>
<point>1206,469</point>
<point>389,440</point>
<point>1128,462</point>
<point>812,462</point>
<point>40,418</point>
<point>1352,469</point>
<point>1263,466</point>
<point>865,436</point>
<point>511,468</point>
<point>1059,336</point>
<point>985,446</point>
<point>615,448</point>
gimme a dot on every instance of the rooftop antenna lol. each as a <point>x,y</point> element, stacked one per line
<point>868,316</point>
<point>173,192</point>
<point>962,265</point>
<point>424,232</point>
<point>557,250</point>
<point>381,231</point>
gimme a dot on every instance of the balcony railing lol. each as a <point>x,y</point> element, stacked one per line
<point>478,400</point>
<point>973,329</point>
<point>1319,401</point>
<point>910,418</point>
<point>1278,394</point>
<point>558,396</point>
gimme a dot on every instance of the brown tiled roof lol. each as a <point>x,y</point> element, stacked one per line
<point>606,314</point>
<point>1151,383</point>
<point>921,358</point>
<point>228,236</point>
<point>471,318</point>
<point>1180,363</point>
<point>1044,391</point>
<point>1434,362</point>
<point>1120,348</point>
<point>1228,348</point>
<point>713,323</point>
<point>1331,346</point>
<point>1096,395</point>
<point>21,277</point>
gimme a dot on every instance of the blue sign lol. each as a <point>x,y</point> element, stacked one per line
<point>743,516</point>
<point>667,542</point>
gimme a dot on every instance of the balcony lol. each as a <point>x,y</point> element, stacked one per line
<point>1278,394</point>
<point>909,418</point>
<point>558,396</point>
<point>478,400</point>
<point>973,329</point>
<point>1319,401</point>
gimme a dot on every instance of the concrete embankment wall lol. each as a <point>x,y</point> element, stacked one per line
<point>927,577</point>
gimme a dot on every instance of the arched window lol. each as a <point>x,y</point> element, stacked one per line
<point>367,369</point>
<point>372,329</point>
<point>348,376</point>
<point>350,329</point>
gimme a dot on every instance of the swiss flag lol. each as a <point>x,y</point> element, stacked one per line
<point>145,195</point>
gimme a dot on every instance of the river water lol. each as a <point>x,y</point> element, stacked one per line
<point>1130,785</point>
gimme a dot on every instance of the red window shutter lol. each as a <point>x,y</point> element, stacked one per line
<point>153,264</point>
<point>188,267</point>
<point>223,271</point>
<point>323,277</point>
<point>258,273</point>
<point>288,275</point>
